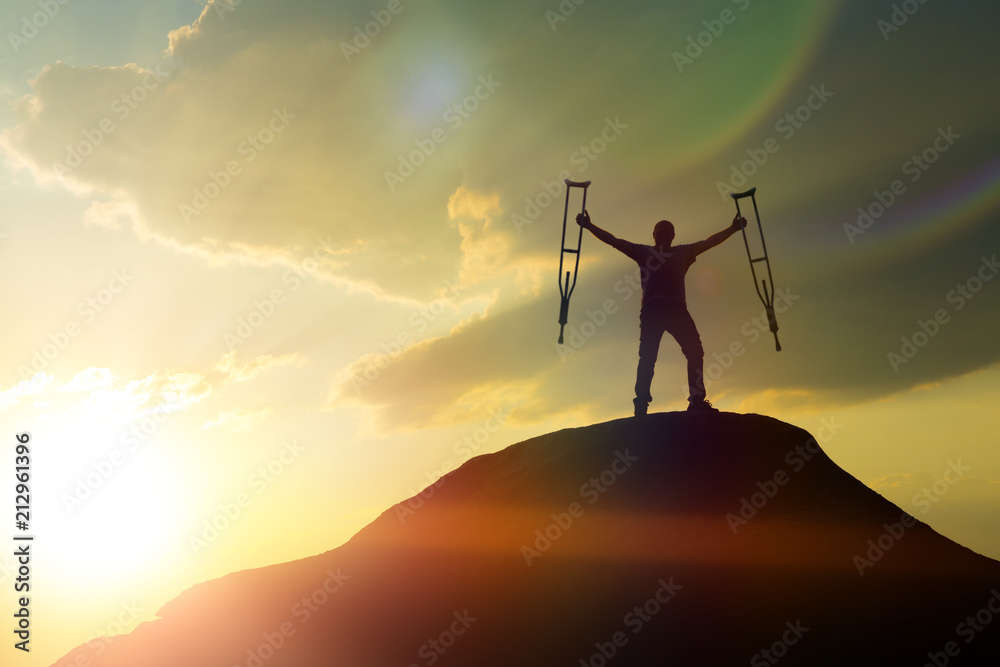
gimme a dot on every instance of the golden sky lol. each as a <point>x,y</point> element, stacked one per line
<point>278,265</point>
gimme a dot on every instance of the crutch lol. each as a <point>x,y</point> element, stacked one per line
<point>767,298</point>
<point>566,290</point>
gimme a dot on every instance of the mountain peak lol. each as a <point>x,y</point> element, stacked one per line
<point>688,539</point>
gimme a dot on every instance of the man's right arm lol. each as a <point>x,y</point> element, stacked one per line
<point>583,219</point>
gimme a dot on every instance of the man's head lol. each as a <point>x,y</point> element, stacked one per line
<point>663,234</point>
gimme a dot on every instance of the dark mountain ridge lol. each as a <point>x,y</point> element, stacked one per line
<point>671,539</point>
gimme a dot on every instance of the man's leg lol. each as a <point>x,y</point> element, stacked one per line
<point>651,327</point>
<point>682,327</point>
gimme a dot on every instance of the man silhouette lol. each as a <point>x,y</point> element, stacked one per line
<point>664,307</point>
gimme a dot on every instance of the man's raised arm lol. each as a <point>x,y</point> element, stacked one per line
<point>583,219</point>
<point>717,238</point>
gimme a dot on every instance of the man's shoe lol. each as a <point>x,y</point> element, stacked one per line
<point>640,407</point>
<point>701,405</point>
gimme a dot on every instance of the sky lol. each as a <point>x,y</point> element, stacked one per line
<point>272,267</point>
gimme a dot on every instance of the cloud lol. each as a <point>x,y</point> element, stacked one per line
<point>504,358</point>
<point>247,131</point>
<point>168,390</point>
<point>488,360</point>
<point>256,138</point>
<point>484,255</point>
<point>256,366</point>
<point>110,214</point>
<point>238,420</point>
<point>97,394</point>
<point>88,380</point>
<point>487,249</point>
<point>772,401</point>
<point>96,391</point>
<point>37,385</point>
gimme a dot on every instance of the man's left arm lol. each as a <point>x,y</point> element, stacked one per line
<point>717,238</point>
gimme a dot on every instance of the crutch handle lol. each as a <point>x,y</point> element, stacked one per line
<point>741,195</point>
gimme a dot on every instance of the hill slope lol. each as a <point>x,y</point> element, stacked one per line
<point>674,539</point>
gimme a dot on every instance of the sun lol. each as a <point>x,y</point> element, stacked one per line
<point>131,527</point>
<point>102,514</point>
